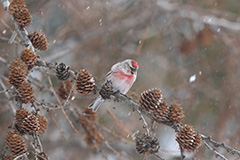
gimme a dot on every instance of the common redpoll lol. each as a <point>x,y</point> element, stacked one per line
<point>121,77</point>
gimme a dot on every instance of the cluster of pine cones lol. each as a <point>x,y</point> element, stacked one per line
<point>151,102</point>
<point>29,123</point>
<point>26,123</point>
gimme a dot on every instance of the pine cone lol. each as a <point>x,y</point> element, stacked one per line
<point>21,114</point>
<point>16,5</point>
<point>90,115</point>
<point>7,157</point>
<point>15,143</point>
<point>64,89</point>
<point>23,17</point>
<point>85,82</point>
<point>107,90</point>
<point>41,156</point>
<point>17,72</point>
<point>150,99</point>
<point>197,142</point>
<point>27,123</point>
<point>93,139</point>
<point>29,57</point>
<point>147,144</point>
<point>20,13</point>
<point>12,132</point>
<point>62,72</point>
<point>176,113</point>
<point>88,140</point>
<point>88,118</point>
<point>42,124</point>
<point>188,140</point>
<point>25,92</point>
<point>160,114</point>
<point>39,40</point>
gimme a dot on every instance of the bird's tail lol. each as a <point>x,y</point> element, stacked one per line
<point>96,104</point>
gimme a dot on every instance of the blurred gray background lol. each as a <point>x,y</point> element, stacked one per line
<point>188,49</point>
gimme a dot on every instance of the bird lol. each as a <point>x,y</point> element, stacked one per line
<point>121,77</point>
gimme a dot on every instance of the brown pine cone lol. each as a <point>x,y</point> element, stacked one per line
<point>42,124</point>
<point>25,92</point>
<point>27,123</point>
<point>17,72</point>
<point>39,40</point>
<point>150,99</point>
<point>176,113</point>
<point>93,139</point>
<point>21,114</point>
<point>64,89</point>
<point>16,5</point>
<point>62,72</point>
<point>84,82</point>
<point>15,143</point>
<point>20,13</point>
<point>29,57</point>
<point>107,90</point>
<point>23,17</point>
<point>197,142</point>
<point>147,144</point>
<point>12,132</point>
<point>88,117</point>
<point>188,140</point>
<point>42,156</point>
<point>7,157</point>
<point>161,112</point>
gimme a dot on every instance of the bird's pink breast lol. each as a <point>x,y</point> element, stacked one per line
<point>129,78</point>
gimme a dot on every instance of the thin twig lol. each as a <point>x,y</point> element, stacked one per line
<point>221,145</point>
<point>59,102</point>
<point>59,128</point>
<point>3,60</point>
<point>216,152</point>
<point>118,123</point>
<point>3,91</point>
<point>39,156</point>
<point>22,155</point>
<point>181,151</point>
<point>158,156</point>
<point>8,96</point>
<point>114,151</point>
<point>144,122</point>
<point>70,93</point>
<point>37,143</point>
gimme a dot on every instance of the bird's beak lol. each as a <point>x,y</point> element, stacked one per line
<point>133,72</point>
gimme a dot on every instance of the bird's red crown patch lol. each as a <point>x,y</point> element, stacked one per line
<point>134,64</point>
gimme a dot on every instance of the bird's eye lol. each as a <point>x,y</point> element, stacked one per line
<point>133,69</point>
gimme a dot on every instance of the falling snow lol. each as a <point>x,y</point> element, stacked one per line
<point>134,135</point>
<point>192,78</point>
<point>4,31</point>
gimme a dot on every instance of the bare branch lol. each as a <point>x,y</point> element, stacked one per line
<point>8,96</point>
<point>221,145</point>
<point>216,152</point>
